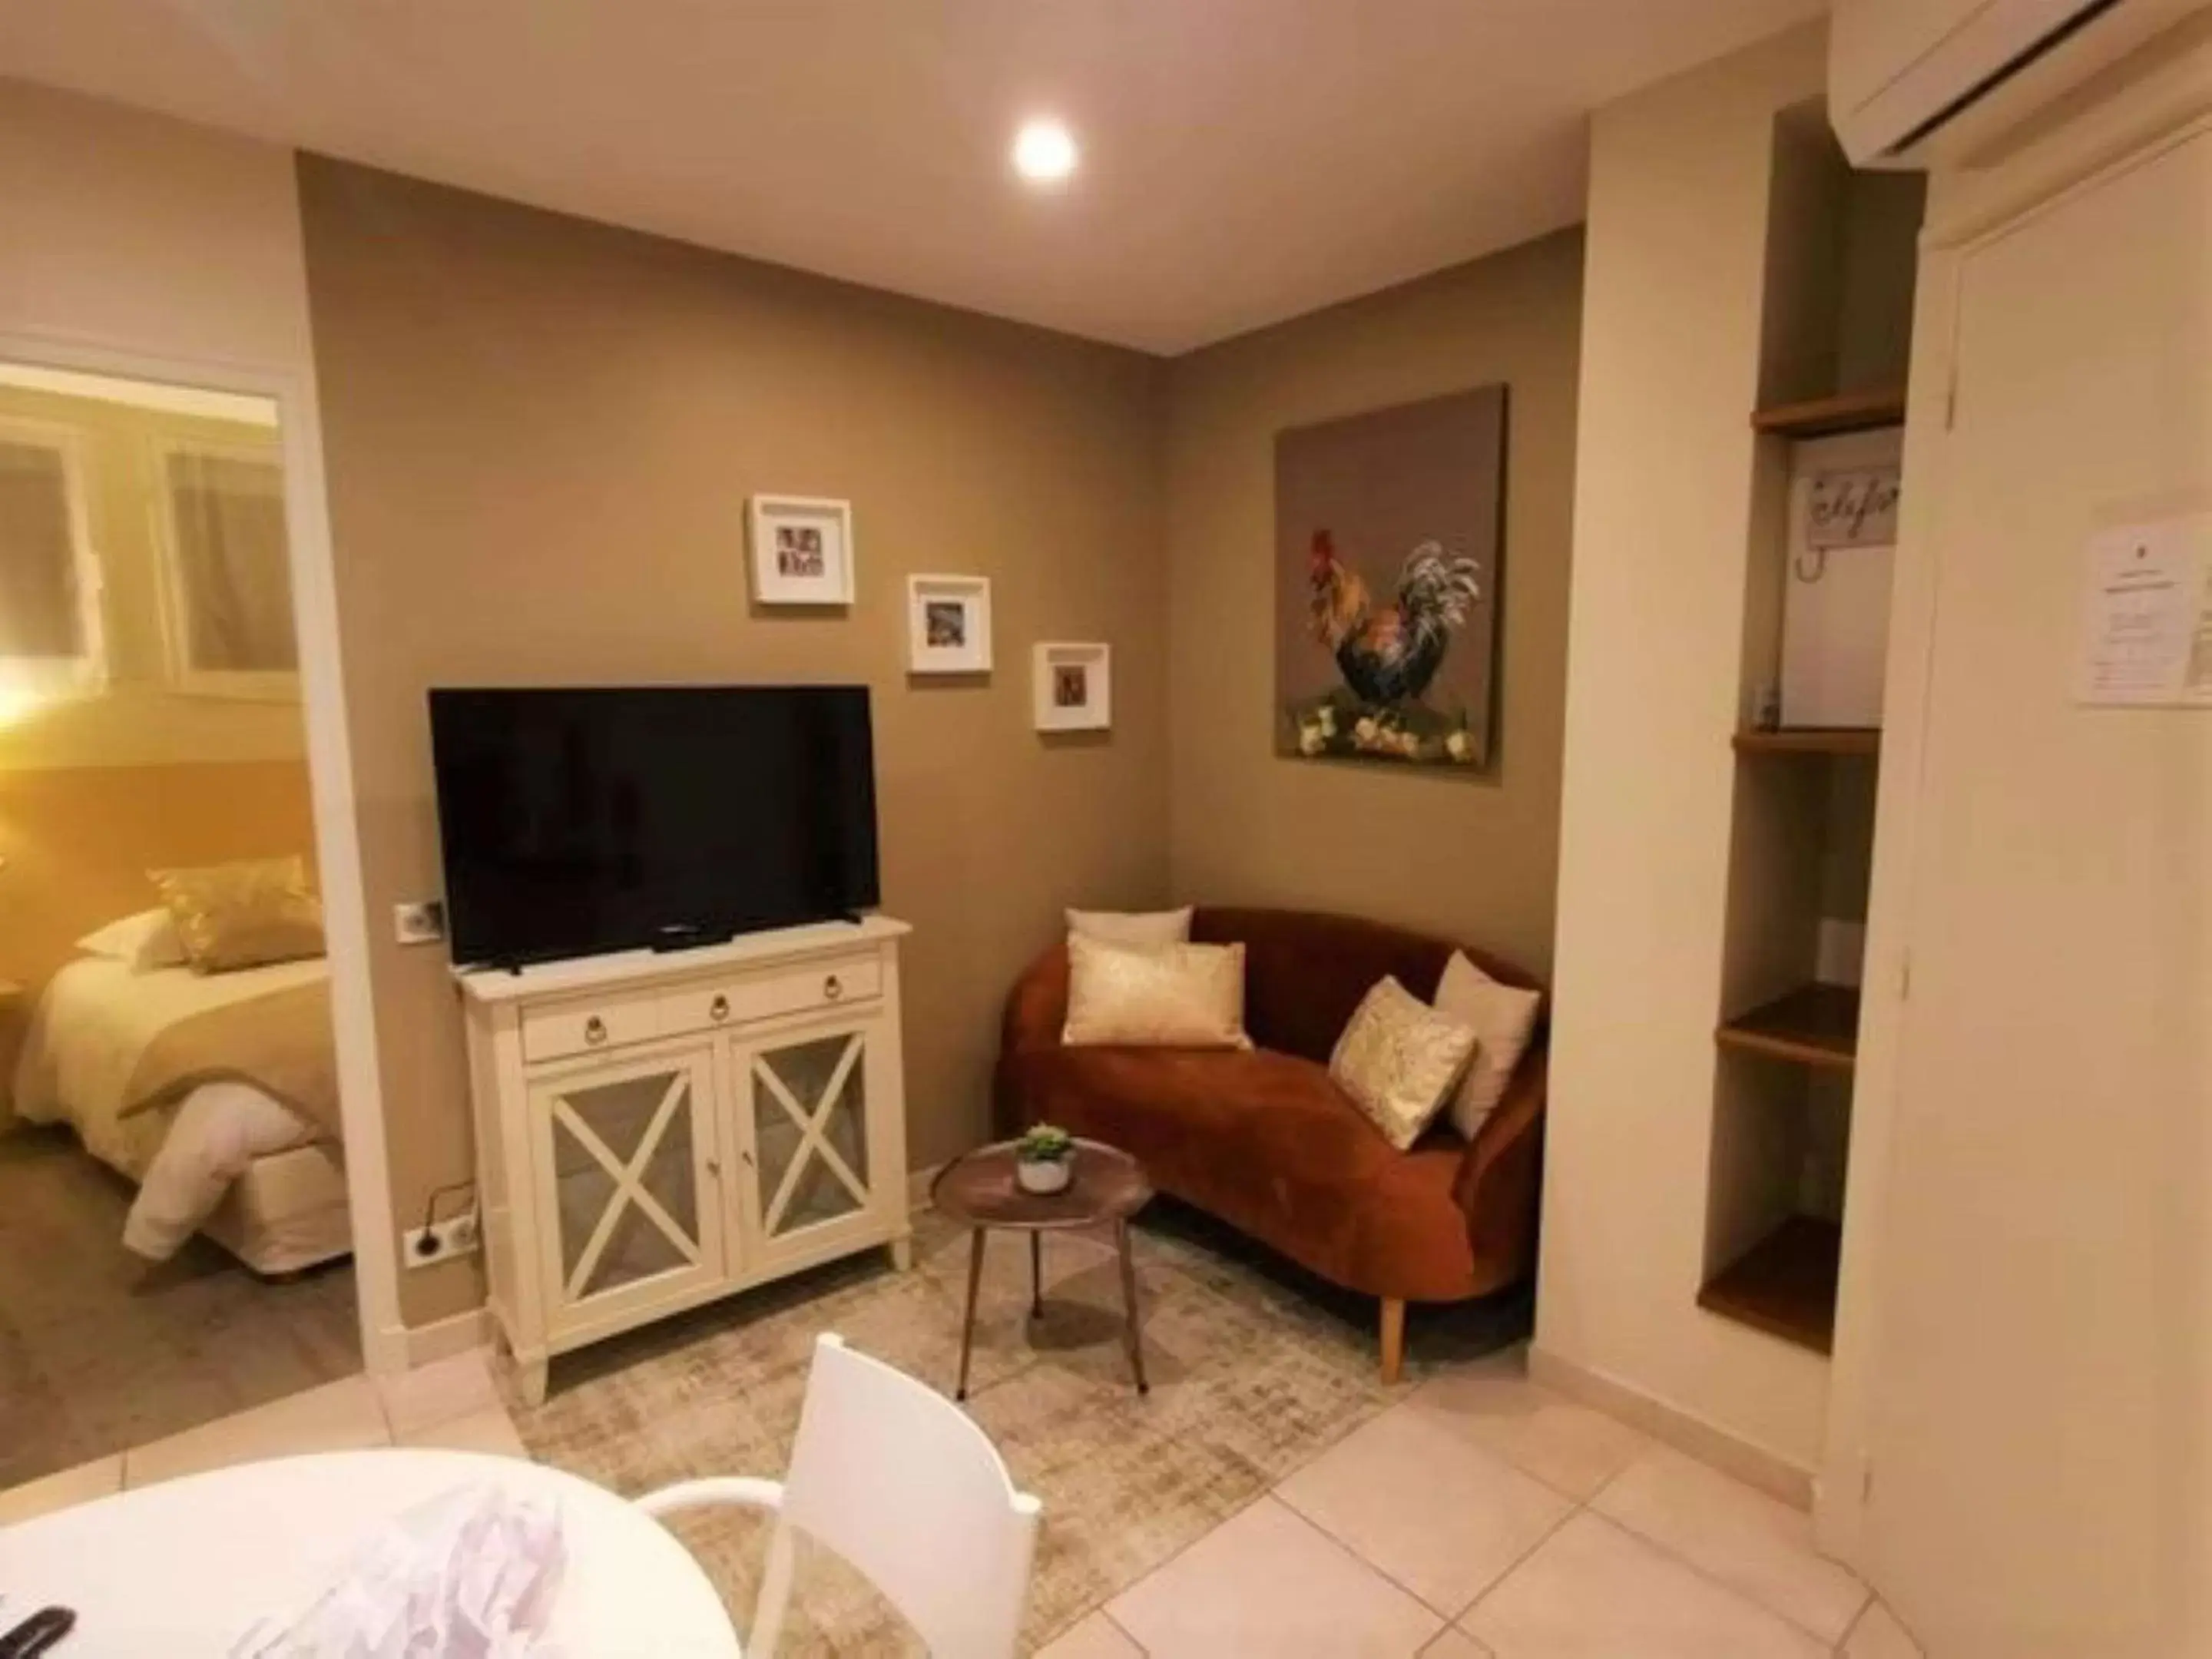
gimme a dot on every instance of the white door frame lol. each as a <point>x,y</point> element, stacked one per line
<point>330,774</point>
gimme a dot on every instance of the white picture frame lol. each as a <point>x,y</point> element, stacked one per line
<point>1072,687</point>
<point>948,625</point>
<point>802,549</point>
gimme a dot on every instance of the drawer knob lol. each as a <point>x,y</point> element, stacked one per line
<point>595,1030</point>
<point>832,988</point>
<point>719,1008</point>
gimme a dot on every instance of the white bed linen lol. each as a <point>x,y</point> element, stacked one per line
<point>92,1025</point>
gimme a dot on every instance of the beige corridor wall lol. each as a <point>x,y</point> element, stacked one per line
<point>1475,859</point>
<point>540,435</point>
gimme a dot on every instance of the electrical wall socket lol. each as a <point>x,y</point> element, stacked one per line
<point>420,922</point>
<point>441,1241</point>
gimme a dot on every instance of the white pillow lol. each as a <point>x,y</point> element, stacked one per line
<point>1131,930</point>
<point>143,943</point>
<point>1503,1017</point>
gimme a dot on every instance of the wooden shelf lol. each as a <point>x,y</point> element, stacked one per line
<point>1825,417</point>
<point>1785,1285</point>
<point>1814,1025</point>
<point>1811,740</point>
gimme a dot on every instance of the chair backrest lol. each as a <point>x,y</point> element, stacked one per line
<point>896,1479</point>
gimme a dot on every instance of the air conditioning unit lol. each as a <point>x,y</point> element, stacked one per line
<point>1913,83</point>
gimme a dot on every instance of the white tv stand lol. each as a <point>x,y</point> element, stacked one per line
<point>655,1131</point>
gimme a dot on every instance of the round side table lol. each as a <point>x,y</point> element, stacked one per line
<point>980,1191</point>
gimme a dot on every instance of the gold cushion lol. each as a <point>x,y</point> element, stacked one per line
<point>1135,930</point>
<point>1398,1059</point>
<point>245,915</point>
<point>1172,996</point>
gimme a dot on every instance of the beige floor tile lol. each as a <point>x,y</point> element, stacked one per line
<point>1442,1517</point>
<point>1266,1584</point>
<point>1878,1635</point>
<point>101,1477</point>
<point>1755,1544</point>
<point>491,1432</point>
<point>337,1417</point>
<point>1568,1447</point>
<point>438,1393</point>
<point>1592,1588</point>
<point>1456,1643</point>
<point>1096,1637</point>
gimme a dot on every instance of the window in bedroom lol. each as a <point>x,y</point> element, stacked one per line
<point>50,620</point>
<point>229,586</point>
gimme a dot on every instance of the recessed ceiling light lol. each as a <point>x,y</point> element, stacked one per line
<point>1044,152</point>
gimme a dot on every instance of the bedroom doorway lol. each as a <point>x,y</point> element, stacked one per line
<point>176,1239</point>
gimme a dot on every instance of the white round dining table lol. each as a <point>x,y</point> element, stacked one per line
<point>187,1567</point>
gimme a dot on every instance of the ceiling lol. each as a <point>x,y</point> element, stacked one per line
<point>1243,160</point>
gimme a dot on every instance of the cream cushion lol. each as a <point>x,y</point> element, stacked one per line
<point>245,915</point>
<point>1503,1017</point>
<point>1172,996</point>
<point>1141,930</point>
<point>143,943</point>
<point>1398,1059</point>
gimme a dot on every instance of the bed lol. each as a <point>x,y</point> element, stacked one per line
<point>219,1155</point>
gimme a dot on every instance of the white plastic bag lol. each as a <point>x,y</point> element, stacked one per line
<point>472,1574</point>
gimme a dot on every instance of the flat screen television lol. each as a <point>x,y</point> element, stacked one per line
<point>576,822</point>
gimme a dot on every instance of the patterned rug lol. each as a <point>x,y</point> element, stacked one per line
<point>1255,1370</point>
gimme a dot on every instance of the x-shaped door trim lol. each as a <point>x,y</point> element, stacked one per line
<point>629,1179</point>
<point>813,1130</point>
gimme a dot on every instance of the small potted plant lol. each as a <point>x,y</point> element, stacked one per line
<point>1044,1159</point>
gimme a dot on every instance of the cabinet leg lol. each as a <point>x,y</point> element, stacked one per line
<point>903,1254</point>
<point>530,1378</point>
<point>1036,1275</point>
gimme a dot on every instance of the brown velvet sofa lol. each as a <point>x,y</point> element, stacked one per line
<point>1265,1140</point>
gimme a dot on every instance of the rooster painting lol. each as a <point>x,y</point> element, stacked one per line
<point>1389,531</point>
<point>1387,655</point>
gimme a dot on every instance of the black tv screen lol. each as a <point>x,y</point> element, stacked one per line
<point>575,822</point>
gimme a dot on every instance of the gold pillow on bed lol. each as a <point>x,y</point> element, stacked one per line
<point>245,914</point>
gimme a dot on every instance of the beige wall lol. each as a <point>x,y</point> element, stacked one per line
<point>1681,186</point>
<point>1473,858</point>
<point>541,434</point>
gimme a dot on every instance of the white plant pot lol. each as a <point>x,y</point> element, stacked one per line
<point>1044,1176</point>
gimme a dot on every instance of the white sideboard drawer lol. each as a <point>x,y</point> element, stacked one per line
<point>764,996</point>
<point>582,1028</point>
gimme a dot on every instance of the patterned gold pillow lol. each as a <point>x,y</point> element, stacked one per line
<point>1170,996</point>
<point>1398,1059</point>
<point>245,915</point>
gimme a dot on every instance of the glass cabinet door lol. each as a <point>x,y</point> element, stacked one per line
<point>809,1101</point>
<point>626,1155</point>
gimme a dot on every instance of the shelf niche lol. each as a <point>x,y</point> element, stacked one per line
<point>1836,341</point>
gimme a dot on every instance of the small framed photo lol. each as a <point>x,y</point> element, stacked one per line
<point>948,625</point>
<point>1072,687</point>
<point>802,550</point>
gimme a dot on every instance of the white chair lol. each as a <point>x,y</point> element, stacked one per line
<point>896,1479</point>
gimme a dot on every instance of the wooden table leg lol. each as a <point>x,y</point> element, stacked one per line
<point>968,1325</point>
<point>1129,1296</point>
<point>1036,1275</point>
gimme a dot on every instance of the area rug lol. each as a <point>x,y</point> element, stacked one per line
<point>1255,1371</point>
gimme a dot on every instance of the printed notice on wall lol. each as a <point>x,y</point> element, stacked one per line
<point>2147,620</point>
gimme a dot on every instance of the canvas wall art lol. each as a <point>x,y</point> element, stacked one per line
<point>1389,550</point>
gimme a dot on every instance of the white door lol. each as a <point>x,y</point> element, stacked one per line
<point>630,1187</point>
<point>2043,1378</point>
<point>805,1096</point>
